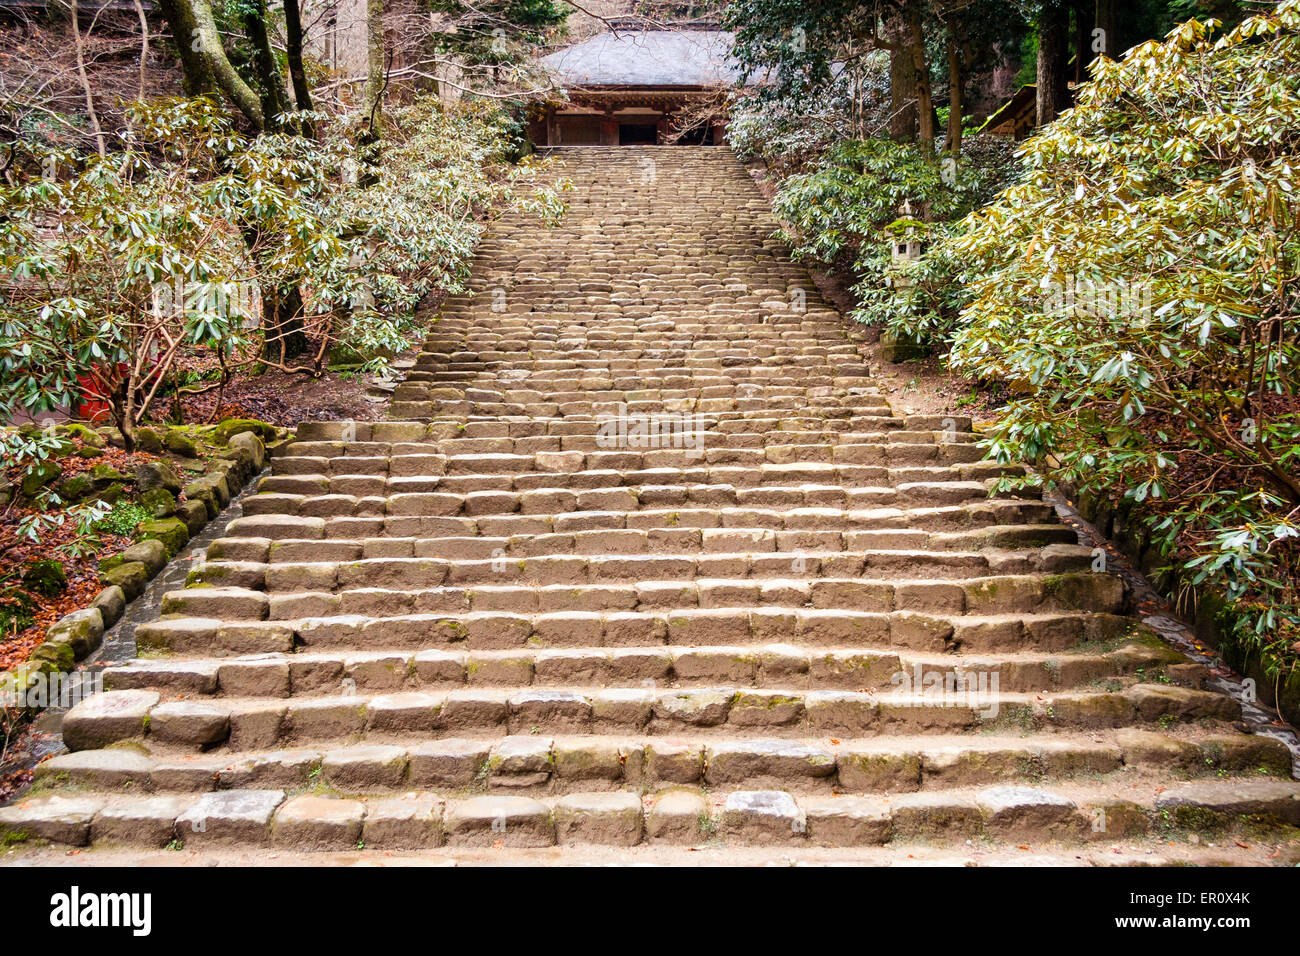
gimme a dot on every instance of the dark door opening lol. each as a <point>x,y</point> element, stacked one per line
<point>698,135</point>
<point>637,134</point>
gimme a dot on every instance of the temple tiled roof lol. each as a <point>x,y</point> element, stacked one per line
<point>639,58</point>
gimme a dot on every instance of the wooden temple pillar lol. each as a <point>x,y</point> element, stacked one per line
<point>608,129</point>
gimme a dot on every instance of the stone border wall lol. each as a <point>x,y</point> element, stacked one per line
<point>77,635</point>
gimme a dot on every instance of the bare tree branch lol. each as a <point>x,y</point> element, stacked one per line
<point>144,43</point>
<point>85,81</point>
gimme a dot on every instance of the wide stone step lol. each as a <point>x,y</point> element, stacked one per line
<point>349,433</point>
<point>524,364</point>
<point>236,561</point>
<point>112,717</point>
<point>436,403</point>
<point>569,397</point>
<point>389,618</point>
<point>633,583</point>
<point>721,388</point>
<point>722,580</point>
<point>757,350</point>
<point>997,523</point>
<point>675,450</point>
<point>1074,814</point>
<point>546,764</point>
<point>777,448</point>
<point>550,494</point>
<point>310,673</point>
<point>512,361</point>
<point>717,557</point>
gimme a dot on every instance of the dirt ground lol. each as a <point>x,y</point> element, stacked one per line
<point>970,853</point>
<point>286,399</point>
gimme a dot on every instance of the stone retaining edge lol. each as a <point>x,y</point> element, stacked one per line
<point>1201,608</point>
<point>78,634</point>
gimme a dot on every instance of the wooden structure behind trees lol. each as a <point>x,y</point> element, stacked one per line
<point>639,85</point>
<point>1071,34</point>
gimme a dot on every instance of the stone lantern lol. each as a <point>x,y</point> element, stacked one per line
<point>904,251</point>
<point>907,248</point>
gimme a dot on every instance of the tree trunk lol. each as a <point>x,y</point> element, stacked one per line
<point>954,98</point>
<point>196,74</point>
<point>1108,22</point>
<point>1084,22</point>
<point>122,410</point>
<point>293,41</point>
<point>372,122</point>
<point>85,83</point>
<point>273,97</point>
<point>283,335</point>
<point>374,102</point>
<point>282,307</point>
<point>902,85</point>
<point>1053,56</point>
<point>230,82</point>
<point>927,121</point>
<point>144,46</point>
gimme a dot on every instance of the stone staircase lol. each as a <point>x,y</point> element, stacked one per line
<point>644,558</point>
